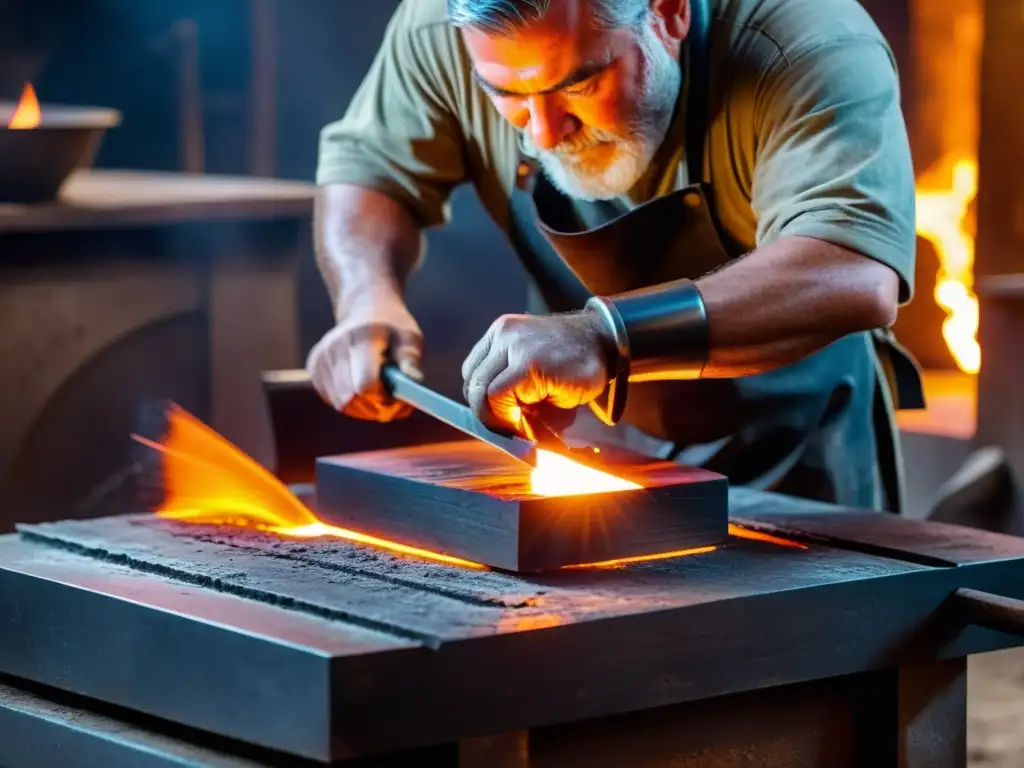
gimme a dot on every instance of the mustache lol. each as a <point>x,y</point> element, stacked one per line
<point>582,140</point>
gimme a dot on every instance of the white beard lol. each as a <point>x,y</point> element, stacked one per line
<point>567,166</point>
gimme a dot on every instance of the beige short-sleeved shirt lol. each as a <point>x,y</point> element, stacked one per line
<point>807,135</point>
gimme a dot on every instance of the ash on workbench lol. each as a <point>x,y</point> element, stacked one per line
<point>404,597</point>
<point>341,556</point>
<point>332,579</point>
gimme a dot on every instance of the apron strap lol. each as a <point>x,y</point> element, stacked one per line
<point>887,442</point>
<point>902,373</point>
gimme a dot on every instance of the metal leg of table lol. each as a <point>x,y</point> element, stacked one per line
<point>36,732</point>
<point>913,717</point>
<point>932,715</point>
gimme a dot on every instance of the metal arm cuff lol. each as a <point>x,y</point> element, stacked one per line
<point>617,352</point>
<point>655,334</point>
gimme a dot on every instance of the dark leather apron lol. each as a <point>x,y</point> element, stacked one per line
<point>822,428</point>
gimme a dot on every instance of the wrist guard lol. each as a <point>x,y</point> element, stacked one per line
<point>652,334</point>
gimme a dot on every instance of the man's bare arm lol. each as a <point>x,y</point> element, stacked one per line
<point>366,246</point>
<point>789,299</point>
<point>366,242</point>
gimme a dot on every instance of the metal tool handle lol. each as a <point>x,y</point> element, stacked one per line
<point>1005,614</point>
<point>405,388</point>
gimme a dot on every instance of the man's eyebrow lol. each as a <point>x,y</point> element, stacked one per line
<point>585,72</point>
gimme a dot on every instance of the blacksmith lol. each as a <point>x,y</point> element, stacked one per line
<point>714,200</point>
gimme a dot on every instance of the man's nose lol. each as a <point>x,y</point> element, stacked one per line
<point>550,123</point>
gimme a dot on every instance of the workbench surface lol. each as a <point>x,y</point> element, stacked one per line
<point>328,649</point>
<point>101,199</point>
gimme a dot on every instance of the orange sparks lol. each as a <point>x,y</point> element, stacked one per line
<point>28,114</point>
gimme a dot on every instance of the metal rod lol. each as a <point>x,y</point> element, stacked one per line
<point>1005,614</point>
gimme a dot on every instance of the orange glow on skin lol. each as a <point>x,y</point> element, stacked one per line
<point>28,114</point>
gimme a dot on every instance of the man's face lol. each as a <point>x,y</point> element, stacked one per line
<point>593,104</point>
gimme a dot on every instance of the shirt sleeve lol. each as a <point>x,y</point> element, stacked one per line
<point>400,134</point>
<point>834,158</point>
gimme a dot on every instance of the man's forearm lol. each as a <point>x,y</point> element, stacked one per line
<point>790,299</point>
<point>365,241</point>
<point>769,309</point>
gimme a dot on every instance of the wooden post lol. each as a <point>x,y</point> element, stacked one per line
<point>1001,379</point>
<point>932,712</point>
<point>1000,242</point>
<point>999,259</point>
<point>263,91</point>
<point>191,127</point>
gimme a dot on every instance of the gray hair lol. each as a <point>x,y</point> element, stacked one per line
<point>507,16</point>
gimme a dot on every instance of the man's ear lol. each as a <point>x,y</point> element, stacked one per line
<point>671,20</point>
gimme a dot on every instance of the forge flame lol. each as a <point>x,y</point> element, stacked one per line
<point>944,196</point>
<point>205,479</point>
<point>28,114</point>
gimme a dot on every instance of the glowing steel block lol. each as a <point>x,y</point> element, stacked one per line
<point>464,499</point>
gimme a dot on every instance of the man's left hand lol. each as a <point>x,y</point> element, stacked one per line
<point>527,360</point>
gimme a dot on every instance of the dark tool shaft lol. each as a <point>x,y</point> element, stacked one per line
<point>421,397</point>
<point>457,415</point>
<point>1005,614</point>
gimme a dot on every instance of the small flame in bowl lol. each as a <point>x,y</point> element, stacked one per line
<point>28,114</point>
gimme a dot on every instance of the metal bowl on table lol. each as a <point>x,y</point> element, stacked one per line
<point>37,159</point>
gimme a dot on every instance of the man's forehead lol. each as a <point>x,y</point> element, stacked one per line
<point>542,52</point>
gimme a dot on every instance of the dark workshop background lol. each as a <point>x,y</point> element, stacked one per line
<point>243,87</point>
<point>270,74</point>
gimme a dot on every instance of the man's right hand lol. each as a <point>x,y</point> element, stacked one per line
<point>345,365</point>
